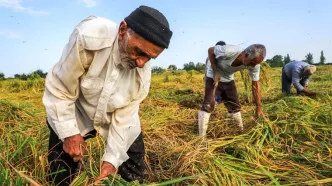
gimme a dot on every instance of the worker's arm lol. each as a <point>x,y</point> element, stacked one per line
<point>256,92</point>
<point>296,83</point>
<point>61,92</point>
<point>213,61</point>
<point>306,82</point>
<point>254,73</point>
<point>124,129</point>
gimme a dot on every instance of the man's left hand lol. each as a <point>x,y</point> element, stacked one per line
<point>259,113</point>
<point>106,169</point>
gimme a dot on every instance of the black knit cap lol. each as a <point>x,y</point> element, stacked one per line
<point>151,25</point>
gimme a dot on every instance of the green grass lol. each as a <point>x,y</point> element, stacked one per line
<point>292,145</point>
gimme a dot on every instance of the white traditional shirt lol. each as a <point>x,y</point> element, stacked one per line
<point>88,89</point>
<point>225,56</point>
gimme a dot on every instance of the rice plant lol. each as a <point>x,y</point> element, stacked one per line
<point>292,145</point>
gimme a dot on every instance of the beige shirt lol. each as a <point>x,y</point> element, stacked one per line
<point>88,89</point>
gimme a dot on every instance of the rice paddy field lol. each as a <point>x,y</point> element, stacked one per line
<point>291,145</point>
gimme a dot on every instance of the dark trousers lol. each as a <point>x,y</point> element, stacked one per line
<point>63,169</point>
<point>287,82</point>
<point>226,90</point>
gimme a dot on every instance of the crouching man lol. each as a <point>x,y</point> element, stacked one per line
<point>297,73</point>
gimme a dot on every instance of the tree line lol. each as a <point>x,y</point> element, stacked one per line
<point>275,61</point>
<point>33,75</point>
<point>187,66</point>
<point>280,61</point>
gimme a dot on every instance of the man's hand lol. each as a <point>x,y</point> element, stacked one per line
<point>308,93</point>
<point>74,146</point>
<point>216,78</point>
<point>259,113</point>
<point>105,170</point>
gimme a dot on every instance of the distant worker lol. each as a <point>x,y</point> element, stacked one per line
<point>224,61</point>
<point>298,74</point>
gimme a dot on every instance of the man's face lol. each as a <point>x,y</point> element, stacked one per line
<point>135,51</point>
<point>252,62</point>
<point>306,73</point>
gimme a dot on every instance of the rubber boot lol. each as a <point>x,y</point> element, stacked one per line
<point>237,119</point>
<point>203,122</point>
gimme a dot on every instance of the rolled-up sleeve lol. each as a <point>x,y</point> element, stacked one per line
<point>62,87</point>
<point>296,80</point>
<point>254,72</point>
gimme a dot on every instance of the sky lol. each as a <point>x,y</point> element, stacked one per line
<point>34,32</point>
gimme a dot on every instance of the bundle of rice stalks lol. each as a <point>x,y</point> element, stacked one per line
<point>265,79</point>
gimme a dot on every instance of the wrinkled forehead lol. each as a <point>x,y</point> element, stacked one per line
<point>148,47</point>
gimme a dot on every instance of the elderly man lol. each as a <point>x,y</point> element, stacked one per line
<point>298,74</point>
<point>97,87</point>
<point>225,60</point>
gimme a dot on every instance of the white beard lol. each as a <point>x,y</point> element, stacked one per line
<point>126,62</point>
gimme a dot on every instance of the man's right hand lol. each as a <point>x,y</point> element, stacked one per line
<point>74,146</point>
<point>216,78</point>
<point>105,170</point>
<point>308,93</point>
<point>311,94</point>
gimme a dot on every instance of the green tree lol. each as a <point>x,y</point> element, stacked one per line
<point>322,58</point>
<point>276,61</point>
<point>309,58</point>
<point>24,77</point>
<point>17,76</point>
<point>2,76</point>
<point>21,76</point>
<point>34,76</point>
<point>40,73</point>
<point>189,66</point>
<point>172,67</point>
<point>287,59</point>
<point>157,70</point>
<point>200,67</point>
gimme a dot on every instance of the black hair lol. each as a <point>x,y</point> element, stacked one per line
<point>221,43</point>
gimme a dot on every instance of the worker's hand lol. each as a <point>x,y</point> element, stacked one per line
<point>74,146</point>
<point>259,113</point>
<point>216,78</point>
<point>308,93</point>
<point>105,170</point>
